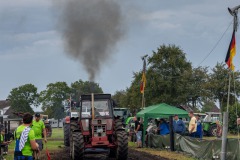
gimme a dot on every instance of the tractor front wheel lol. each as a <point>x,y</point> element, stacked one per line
<point>122,148</point>
<point>77,146</point>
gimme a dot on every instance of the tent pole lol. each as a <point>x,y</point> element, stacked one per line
<point>171,133</point>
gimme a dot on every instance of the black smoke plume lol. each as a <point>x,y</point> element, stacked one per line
<point>91,30</point>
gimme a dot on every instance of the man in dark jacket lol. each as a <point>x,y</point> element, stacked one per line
<point>178,125</point>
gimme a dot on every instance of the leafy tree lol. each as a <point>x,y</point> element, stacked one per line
<point>84,87</point>
<point>120,98</point>
<point>208,105</point>
<point>218,85</point>
<point>234,113</point>
<point>23,97</point>
<point>52,99</point>
<point>196,87</point>
<point>168,75</point>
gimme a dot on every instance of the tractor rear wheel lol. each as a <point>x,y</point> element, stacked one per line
<point>213,130</point>
<point>66,134</point>
<point>77,146</point>
<point>122,148</point>
<point>73,126</point>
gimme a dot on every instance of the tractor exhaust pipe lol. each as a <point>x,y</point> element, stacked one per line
<point>93,111</point>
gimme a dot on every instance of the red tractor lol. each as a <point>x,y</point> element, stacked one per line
<point>96,130</point>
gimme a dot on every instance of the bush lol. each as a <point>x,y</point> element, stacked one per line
<point>232,124</point>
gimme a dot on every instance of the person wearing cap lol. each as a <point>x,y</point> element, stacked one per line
<point>27,146</point>
<point>178,125</point>
<point>39,130</point>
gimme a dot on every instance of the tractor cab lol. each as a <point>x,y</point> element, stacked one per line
<point>97,130</point>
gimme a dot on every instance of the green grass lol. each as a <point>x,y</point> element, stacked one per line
<point>57,133</point>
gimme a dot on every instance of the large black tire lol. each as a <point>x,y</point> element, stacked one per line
<point>213,130</point>
<point>122,148</point>
<point>78,146</point>
<point>66,134</point>
<point>118,125</point>
<point>73,126</point>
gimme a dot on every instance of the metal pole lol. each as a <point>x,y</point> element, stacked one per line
<point>229,84</point>
<point>8,139</point>
<point>171,133</point>
<point>224,136</point>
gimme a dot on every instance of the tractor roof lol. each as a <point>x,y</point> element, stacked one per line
<point>96,96</point>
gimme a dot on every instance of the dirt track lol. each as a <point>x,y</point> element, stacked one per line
<point>132,155</point>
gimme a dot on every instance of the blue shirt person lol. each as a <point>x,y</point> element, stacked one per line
<point>178,125</point>
<point>199,132</point>
<point>163,128</point>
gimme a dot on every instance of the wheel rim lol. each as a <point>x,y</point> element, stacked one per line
<point>214,132</point>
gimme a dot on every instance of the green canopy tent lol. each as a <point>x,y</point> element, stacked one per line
<point>161,110</point>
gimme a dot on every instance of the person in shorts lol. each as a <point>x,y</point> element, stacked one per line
<point>138,131</point>
<point>39,130</point>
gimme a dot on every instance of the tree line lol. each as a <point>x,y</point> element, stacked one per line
<point>172,79</point>
<point>52,98</point>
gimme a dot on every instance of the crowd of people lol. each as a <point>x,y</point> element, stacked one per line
<point>28,137</point>
<point>194,129</point>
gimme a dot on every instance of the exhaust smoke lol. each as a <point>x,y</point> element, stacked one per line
<point>90,30</point>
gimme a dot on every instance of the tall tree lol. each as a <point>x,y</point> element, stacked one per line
<point>218,85</point>
<point>52,99</point>
<point>84,87</point>
<point>196,82</point>
<point>23,97</point>
<point>120,98</point>
<point>167,72</point>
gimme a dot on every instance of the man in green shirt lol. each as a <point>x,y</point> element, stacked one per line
<point>39,129</point>
<point>30,143</point>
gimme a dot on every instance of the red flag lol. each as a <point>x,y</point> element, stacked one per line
<point>231,52</point>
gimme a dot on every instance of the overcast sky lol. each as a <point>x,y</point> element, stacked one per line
<point>32,51</point>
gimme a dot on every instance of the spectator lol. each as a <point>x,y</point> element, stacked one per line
<point>163,128</point>
<point>4,144</point>
<point>25,134</point>
<point>219,129</point>
<point>39,129</point>
<point>138,131</point>
<point>178,125</point>
<point>192,128</point>
<point>199,132</point>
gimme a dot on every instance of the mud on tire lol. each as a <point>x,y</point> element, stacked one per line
<point>73,126</point>
<point>77,146</point>
<point>66,134</point>
<point>122,149</point>
<point>213,130</point>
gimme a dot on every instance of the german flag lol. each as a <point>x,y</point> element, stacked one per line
<point>231,52</point>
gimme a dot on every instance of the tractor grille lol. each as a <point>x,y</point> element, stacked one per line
<point>99,130</point>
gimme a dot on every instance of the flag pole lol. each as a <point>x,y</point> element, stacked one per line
<point>231,53</point>
<point>143,83</point>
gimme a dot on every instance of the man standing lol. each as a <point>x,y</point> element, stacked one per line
<point>178,125</point>
<point>25,139</point>
<point>39,129</point>
<point>138,131</point>
<point>192,128</point>
<point>199,132</point>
